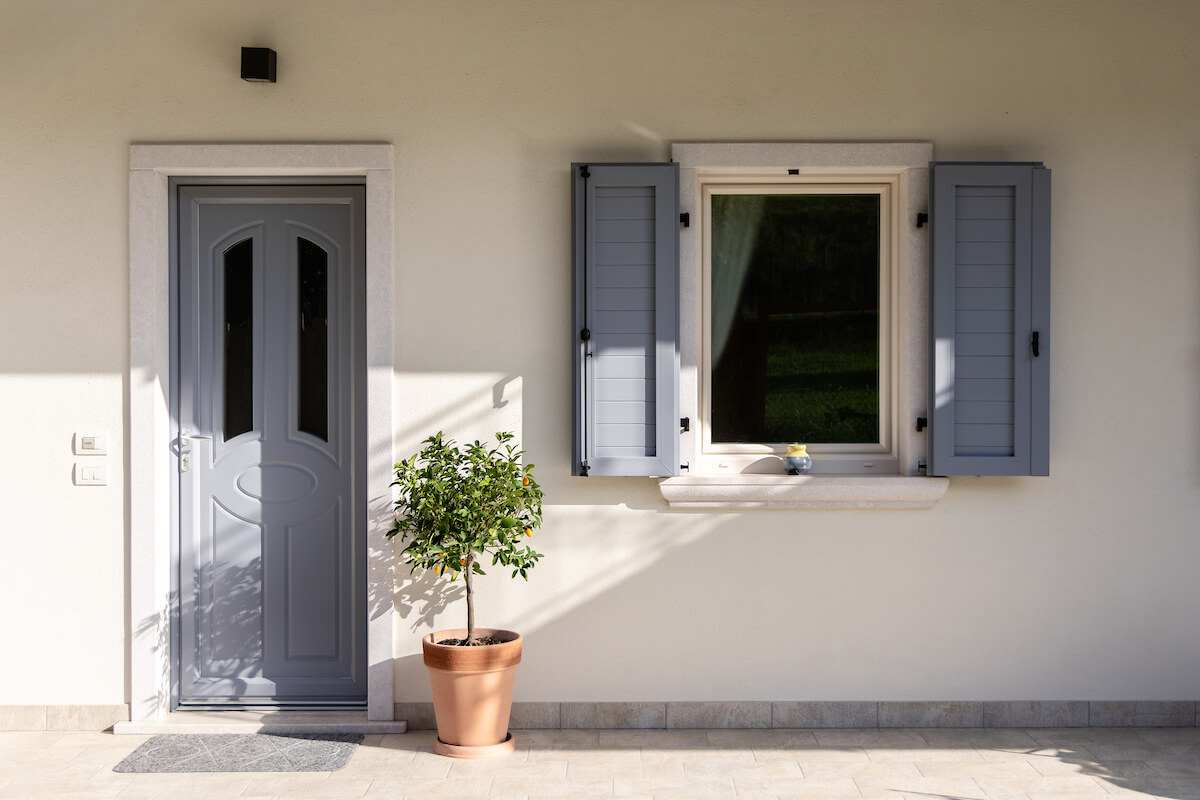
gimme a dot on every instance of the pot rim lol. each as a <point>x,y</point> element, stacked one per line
<point>506,637</point>
<point>484,658</point>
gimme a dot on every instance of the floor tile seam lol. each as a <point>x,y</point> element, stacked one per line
<point>78,756</point>
<point>692,774</point>
<point>1100,783</point>
<point>1091,763</point>
<point>1149,764</point>
<point>990,765</point>
<point>863,790</point>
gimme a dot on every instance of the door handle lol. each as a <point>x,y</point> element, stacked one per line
<point>184,446</point>
<point>186,437</point>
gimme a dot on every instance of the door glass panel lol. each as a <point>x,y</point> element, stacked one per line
<point>239,335</point>
<point>313,391</point>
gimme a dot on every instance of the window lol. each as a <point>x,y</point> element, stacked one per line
<point>797,302</point>
<point>804,307</point>
<point>807,305</point>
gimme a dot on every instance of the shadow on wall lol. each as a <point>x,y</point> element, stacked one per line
<point>421,600</point>
<point>464,405</point>
<point>154,632</point>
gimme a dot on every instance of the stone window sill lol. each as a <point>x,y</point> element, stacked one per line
<point>802,491</point>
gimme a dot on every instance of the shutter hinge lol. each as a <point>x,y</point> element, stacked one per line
<point>685,219</point>
<point>922,423</point>
<point>688,467</point>
<point>922,219</point>
<point>793,172</point>
<point>584,172</point>
<point>583,469</point>
<point>922,468</point>
<point>685,423</point>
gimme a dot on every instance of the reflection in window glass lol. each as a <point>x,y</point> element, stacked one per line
<point>239,339</point>
<point>314,340</point>
<point>795,318</point>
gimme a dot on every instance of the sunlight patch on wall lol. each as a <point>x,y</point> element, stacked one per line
<point>464,405</point>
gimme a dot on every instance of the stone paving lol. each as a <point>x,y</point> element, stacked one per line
<point>943,764</point>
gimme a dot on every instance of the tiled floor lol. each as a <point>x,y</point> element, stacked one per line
<point>1077,763</point>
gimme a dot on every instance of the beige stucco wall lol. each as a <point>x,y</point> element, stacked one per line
<point>1076,586</point>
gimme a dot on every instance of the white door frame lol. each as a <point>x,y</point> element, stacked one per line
<point>151,462</point>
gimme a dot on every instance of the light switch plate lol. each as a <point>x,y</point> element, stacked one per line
<point>91,475</point>
<point>91,444</point>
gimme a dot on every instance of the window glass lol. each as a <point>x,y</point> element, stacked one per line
<point>795,317</point>
<point>312,273</point>
<point>239,338</point>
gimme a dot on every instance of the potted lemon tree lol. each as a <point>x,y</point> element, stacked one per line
<point>456,507</point>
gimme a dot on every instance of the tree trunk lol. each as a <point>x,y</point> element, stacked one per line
<point>468,577</point>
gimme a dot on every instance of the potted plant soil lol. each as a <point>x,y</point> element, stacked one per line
<point>457,506</point>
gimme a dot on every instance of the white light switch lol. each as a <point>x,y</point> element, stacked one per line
<point>91,475</point>
<point>91,444</point>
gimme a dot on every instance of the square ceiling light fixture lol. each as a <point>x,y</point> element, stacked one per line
<point>258,64</point>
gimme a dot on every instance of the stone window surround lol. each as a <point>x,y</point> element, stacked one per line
<point>150,461</point>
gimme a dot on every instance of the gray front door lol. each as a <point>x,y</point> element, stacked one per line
<point>272,510</point>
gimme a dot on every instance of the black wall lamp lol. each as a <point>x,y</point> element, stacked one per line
<point>258,64</point>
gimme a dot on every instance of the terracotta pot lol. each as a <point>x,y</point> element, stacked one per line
<point>472,691</point>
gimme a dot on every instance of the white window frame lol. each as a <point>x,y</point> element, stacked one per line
<point>903,167</point>
<point>840,458</point>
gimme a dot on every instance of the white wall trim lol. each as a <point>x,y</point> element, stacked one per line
<point>150,167</point>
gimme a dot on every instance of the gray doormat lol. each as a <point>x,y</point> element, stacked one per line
<point>256,752</point>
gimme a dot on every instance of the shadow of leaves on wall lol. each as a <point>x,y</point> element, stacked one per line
<point>420,600</point>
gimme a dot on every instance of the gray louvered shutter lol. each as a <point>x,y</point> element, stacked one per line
<point>626,263</point>
<point>989,305</point>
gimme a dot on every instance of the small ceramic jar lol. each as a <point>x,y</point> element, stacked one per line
<point>798,461</point>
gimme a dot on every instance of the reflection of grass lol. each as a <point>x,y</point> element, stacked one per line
<point>823,378</point>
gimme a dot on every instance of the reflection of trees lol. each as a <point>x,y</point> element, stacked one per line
<point>800,361</point>
<point>819,251</point>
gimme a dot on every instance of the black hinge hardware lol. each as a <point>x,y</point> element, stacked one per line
<point>922,423</point>
<point>685,423</point>
<point>793,172</point>
<point>1035,346</point>
<point>585,334</point>
<point>922,219</point>
<point>685,219</point>
<point>583,469</point>
<point>584,172</point>
<point>686,466</point>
